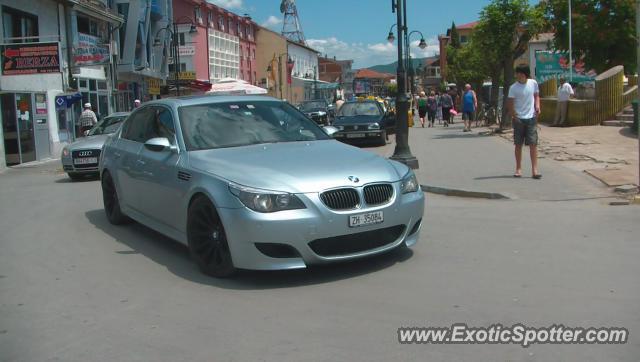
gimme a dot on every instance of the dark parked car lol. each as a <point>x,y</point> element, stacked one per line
<point>318,110</point>
<point>364,121</point>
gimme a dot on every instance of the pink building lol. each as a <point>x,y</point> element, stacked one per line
<point>224,45</point>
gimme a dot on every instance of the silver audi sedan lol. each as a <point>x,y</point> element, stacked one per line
<point>80,158</point>
<point>251,183</point>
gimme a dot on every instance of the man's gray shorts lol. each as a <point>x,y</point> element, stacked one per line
<point>525,131</point>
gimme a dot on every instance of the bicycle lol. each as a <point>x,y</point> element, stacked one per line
<point>488,115</point>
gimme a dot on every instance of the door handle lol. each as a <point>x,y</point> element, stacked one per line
<point>141,162</point>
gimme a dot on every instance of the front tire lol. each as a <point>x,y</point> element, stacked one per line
<point>207,239</point>
<point>383,138</point>
<point>111,201</point>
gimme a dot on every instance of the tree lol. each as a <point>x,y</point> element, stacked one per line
<point>506,27</point>
<point>603,31</point>
<point>392,89</point>
<point>455,37</point>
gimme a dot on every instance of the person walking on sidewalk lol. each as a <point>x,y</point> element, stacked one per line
<point>447,105</point>
<point>523,106</point>
<point>438,108</point>
<point>87,119</point>
<point>469,106</point>
<point>564,93</point>
<point>422,107</point>
<point>432,106</point>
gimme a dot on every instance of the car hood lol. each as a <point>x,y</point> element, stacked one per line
<point>313,110</point>
<point>89,142</point>
<point>297,167</point>
<point>341,120</point>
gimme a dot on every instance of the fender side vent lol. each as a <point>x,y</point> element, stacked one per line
<point>184,176</point>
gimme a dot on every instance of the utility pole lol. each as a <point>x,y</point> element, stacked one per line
<point>570,46</point>
<point>402,152</point>
<point>638,73</point>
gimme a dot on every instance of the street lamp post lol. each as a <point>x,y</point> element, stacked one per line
<point>402,152</point>
<point>174,46</point>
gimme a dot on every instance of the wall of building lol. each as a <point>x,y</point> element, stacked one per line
<point>269,45</point>
<point>183,12</point>
<point>52,84</point>
<point>305,60</point>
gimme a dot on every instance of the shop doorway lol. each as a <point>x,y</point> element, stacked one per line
<point>24,141</point>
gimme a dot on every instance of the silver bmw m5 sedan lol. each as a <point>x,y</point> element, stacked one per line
<point>250,182</point>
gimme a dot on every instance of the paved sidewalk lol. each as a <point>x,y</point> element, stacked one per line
<point>477,161</point>
<point>610,154</point>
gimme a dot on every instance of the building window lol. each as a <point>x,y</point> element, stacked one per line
<point>221,23</point>
<point>19,25</point>
<point>197,14</point>
<point>240,30</point>
<point>463,39</point>
<point>211,20</point>
<point>90,26</point>
<point>230,25</point>
<point>181,40</point>
<point>183,68</point>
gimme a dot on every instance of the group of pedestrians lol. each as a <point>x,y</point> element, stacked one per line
<point>434,107</point>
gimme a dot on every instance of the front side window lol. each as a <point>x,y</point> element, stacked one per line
<point>161,125</point>
<point>135,128</point>
<point>234,124</point>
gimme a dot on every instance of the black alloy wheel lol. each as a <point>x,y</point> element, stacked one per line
<point>111,202</point>
<point>207,240</point>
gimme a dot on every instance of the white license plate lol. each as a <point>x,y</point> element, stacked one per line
<point>355,135</point>
<point>369,218</point>
<point>84,161</point>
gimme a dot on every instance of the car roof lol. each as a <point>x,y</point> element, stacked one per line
<point>118,114</point>
<point>208,99</point>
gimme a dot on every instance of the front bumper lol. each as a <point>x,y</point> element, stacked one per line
<point>297,229</point>
<point>72,167</point>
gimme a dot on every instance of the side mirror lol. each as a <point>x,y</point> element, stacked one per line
<point>330,130</point>
<point>160,144</point>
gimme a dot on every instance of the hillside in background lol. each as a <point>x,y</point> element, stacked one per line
<point>392,68</point>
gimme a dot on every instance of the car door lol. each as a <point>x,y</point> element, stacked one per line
<point>161,189</point>
<point>128,171</point>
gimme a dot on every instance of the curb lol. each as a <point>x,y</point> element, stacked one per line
<point>463,193</point>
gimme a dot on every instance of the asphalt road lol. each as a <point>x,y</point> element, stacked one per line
<point>75,288</point>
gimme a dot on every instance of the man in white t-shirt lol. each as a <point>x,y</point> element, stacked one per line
<point>564,93</point>
<point>524,106</point>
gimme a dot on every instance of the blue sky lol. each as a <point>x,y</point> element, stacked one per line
<point>357,29</point>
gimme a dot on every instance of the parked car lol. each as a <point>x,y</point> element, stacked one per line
<point>80,158</point>
<point>318,110</point>
<point>250,182</point>
<point>364,120</point>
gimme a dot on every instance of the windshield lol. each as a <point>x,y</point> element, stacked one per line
<point>234,124</point>
<point>312,105</point>
<point>108,125</point>
<point>359,109</point>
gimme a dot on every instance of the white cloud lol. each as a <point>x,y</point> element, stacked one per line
<point>366,55</point>
<point>272,21</point>
<point>228,4</point>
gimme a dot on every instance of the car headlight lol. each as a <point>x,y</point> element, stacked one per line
<point>265,200</point>
<point>65,152</point>
<point>409,183</point>
<point>340,128</point>
<point>321,113</point>
<point>374,126</point>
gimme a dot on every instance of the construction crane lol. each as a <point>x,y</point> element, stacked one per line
<point>291,28</point>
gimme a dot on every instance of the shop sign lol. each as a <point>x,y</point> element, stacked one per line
<point>556,64</point>
<point>186,50</point>
<point>154,86</point>
<point>184,76</point>
<point>30,58</point>
<point>41,104</point>
<point>90,51</point>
